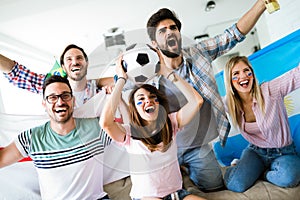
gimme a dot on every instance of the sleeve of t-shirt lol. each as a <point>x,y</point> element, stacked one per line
<point>23,78</point>
<point>174,122</point>
<point>127,136</point>
<point>22,142</point>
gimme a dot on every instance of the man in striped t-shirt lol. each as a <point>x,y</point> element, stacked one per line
<point>67,152</point>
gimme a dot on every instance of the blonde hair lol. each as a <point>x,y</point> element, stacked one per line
<point>234,102</point>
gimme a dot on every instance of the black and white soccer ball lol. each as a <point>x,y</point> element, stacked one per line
<point>140,62</point>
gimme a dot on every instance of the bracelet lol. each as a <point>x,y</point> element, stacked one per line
<point>172,72</point>
<point>122,78</point>
<point>174,79</point>
<point>116,78</point>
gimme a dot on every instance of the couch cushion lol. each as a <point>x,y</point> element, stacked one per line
<point>262,190</point>
<point>295,130</point>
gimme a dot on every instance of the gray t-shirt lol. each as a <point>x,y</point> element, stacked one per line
<point>201,130</point>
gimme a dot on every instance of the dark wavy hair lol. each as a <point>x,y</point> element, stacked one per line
<point>156,18</point>
<point>163,131</point>
<point>72,46</point>
<point>55,79</point>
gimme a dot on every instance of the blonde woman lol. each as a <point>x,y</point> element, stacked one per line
<point>260,114</point>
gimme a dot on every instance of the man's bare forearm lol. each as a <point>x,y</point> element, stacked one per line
<point>249,19</point>
<point>6,64</point>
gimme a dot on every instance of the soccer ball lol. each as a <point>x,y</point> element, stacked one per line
<point>140,62</point>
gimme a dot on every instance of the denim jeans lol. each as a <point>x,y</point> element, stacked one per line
<point>280,166</point>
<point>203,167</point>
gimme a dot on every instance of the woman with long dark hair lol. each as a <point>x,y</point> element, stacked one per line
<point>150,135</point>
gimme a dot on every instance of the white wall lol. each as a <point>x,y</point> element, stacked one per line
<point>269,28</point>
<point>19,101</point>
<point>282,22</point>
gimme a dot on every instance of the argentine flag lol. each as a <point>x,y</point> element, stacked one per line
<point>268,63</point>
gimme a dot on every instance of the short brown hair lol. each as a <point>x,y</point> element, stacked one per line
<point>56,79</point>
<point>160,15</point>
<point>72,46</point>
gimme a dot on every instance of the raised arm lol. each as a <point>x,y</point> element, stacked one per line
<point>6,64</point>
<point>21,76</point>
<point>106,83</point>
<point>249,19</point>
<point>114,129</point>
<point>195,100</point>
<point>9,155</point>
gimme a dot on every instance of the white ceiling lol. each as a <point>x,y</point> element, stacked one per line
<point>45,27</point>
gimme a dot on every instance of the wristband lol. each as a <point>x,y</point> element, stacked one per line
<point>122,78</point>
<point>116,78</point>
<point>172,77</point>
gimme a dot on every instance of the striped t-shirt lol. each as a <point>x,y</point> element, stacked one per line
<point>70,166</point>
<point>273,125</point>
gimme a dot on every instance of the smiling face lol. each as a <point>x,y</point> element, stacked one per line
<point>242,77</point>
<point>60,111</point>
<point>168,38</point>
<point>75,64</point>
<point>146,104</point>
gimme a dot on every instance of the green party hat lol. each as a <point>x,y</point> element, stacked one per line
<point>56,70</point>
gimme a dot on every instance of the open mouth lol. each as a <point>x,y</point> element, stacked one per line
<point>61,110</point>
<point>244,83</point>
<point>171,42</point>
<point>75,69</point>
<point>150,109</point>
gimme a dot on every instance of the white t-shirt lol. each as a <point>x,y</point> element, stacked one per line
<point>79,98</point>
<point>153,174</point>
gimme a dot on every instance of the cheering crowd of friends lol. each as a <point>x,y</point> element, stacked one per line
<point>161,141</point>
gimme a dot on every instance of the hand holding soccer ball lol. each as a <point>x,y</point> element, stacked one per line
<point>140,62</point>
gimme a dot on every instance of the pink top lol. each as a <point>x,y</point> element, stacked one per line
<point>273,127</point>
<point>153,174</point>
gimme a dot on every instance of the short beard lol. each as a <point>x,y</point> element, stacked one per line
<point>169,54</point>
<point>78,78</point>
<point>66,120</point>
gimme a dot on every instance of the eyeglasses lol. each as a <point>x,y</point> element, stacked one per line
<point>67,96</point>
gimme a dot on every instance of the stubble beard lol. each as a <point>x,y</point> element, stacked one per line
<point>169,53</point>
<point>77,77</point>
<point>65,120</point>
